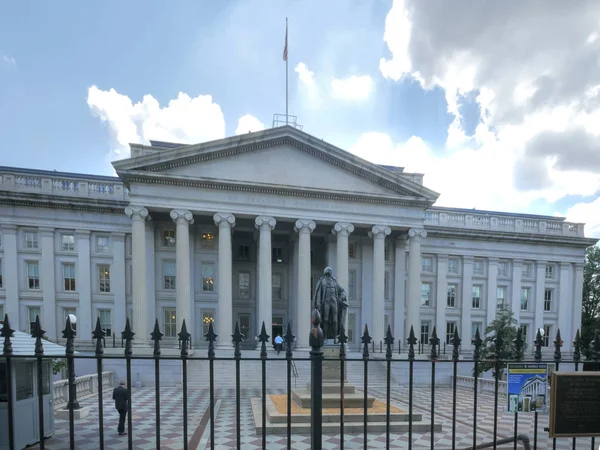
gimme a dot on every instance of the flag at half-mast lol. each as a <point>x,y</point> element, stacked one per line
<point>285,47</point>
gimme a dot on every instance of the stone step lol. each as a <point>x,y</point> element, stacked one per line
<point>348,417</point>
<point>419,426</point>
<point>334,387</point>
<point>355,400</point>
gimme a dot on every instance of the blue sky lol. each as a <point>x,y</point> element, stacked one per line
<point>437,104</point>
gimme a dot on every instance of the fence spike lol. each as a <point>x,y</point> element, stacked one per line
<point>237,338</point>
<point>456,340</point>
<point>366,340</point>
<point>127,335</point>
<point>156,337</point>
<point>184,338</point>
<point>289,339</point>
<point>577,347</point>
<point>38,334</point>
<point>6,332</point>
<point>519,345</point>
<point>539,341</point>
<point>69,334</point>
<point>211,337</point>
<point>342,340</point>
<point>263,338</point>
<point>434,341</point>
<point>558,343</point>
<point>98,334</point>
<point>389,342</point>
<point>477,344</point>
<point>412,341</point>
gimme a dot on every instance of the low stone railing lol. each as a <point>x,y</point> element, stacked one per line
<point>483,384</point>
<point>86,386</point>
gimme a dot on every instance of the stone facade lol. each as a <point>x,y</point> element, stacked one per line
<point>240,229</point>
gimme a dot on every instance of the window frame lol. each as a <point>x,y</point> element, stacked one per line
<point>102,249</point>
<point>103,278</point>
<point>69,284</point>
<point>170,326</point>
<point>450,328</point>
<point>34,242</point>
<point>65,246</point>
<point>35,277</point>
<point>426,304</point>
<point>208,282</point>
<point>453,296</point>
<point>476,301</point>
<point>103,323</point>
<point>169,281</point>
<point>548,301</point>
<point>525,298</point>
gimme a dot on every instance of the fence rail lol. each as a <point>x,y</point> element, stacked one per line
<point>318,389</point>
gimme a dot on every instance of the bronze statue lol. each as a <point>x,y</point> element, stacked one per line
<point>332,303</point>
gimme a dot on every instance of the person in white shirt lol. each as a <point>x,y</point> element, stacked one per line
<point>278,343</point>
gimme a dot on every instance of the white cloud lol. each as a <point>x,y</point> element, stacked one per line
<point>352,88</point>
<point>308,85</point>
<point>9,61</point>
<point>249,123</point>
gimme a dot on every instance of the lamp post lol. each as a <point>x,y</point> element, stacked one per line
<point>69,333</point>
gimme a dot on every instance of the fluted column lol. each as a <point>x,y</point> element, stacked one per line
<point>265,225</point>
<point>378,233</point>
<point>10,270</point>
<point>466,301</point>
<point>304,228</point>
<point>492,288</point>
<point>225,222</point>
<point>183,219</point>
<point>342,231</point>
<point>400,289</point>
<point>538,299</point>
<point>48,312</point>
<point>413,304</point>
<point>442,294</point>
<point>138,215</point>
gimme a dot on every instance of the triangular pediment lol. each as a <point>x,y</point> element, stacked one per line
<point>283,157</point>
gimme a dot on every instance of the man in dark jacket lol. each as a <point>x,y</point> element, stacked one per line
<point>120,398</point>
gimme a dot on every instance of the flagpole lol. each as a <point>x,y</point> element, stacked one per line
<point>286,72</point>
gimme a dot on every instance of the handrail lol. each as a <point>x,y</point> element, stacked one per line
<point>521,437</point>
<point>295,373</point>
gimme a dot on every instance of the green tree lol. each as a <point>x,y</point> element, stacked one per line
<point>505,326</point>
<point>590,305</point>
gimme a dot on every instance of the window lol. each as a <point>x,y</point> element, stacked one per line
<point>33,275</point>
<point>32,313</point>
<point>351,284</point>
<point>24,380</point>
<point>31,239</point>
<point>352,249</point>
<point>425,294</point>
<point>104,278</point>
<point>244,252</point>
<point>1,284</point>
<point>105,321</point>
<point>451,298</point>
<point>277,254</point>
<point>524,329</point>
<point>549,272</point>
<point>208,317</point>
<point>169,275</point>
<point>503,269</point>
<point>386,286</point>
<point>425,331</point>
<point>244,284</point>
<point>426,265</point>
<point>450,327</point>
<point>547,334</point>
<point>102,244</point>
<point>351,326</point>
<point>170,322</point>
<point>69,276</point>
<point>168,238</point>
<point>66,312</point>
<point>478,267</point>
<point>276,286</point>
<point>474,327</point>
<point>525,299</point>
<point>476,297</point>
<point>500,297</point>
<point>527,270</point>
<point>208,277</point>
<point>67,243</point>
<point>548,300</point>
<point>453,266</point>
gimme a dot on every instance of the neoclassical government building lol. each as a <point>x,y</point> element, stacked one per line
<point>240,229</point>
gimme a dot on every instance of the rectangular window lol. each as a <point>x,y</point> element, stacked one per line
<point>66,313</point>
<point>453,266</point>
<point>105,321</point>
<point>244,284</point>
<point>169,275</point>
<point>33,275</point>
<point>476,297</point>
<point>102,244</point>
<point>524,329</point>
<point>425,332</point>
<point>450,327</point>
<point>170,322</point>
<point>478,267</point>
<point>425,294</point>
<point>426,265</point>
<point>244,252</point>
<point>474,327</point>
<point>549,272</point>
<point>503,269</point>
<point>277,254</point>
<point>547,335</point>
<point>351,284</point>
<point>67,243</point>
<point>386,285</point>
<point>351,327</point>
<point>168,238</point>
<point>527,270</point>
<point>208,317</point>
<point>104,278</point>
<point>352,249</point>
<point>451,298</point>
<point>525,299</point>
<point>31,239</point>
<point>500,297</point>
<point>208,277</point>
<point>548,300</point>
<point>69,276</point>
<point>32,313</point>
<point>276,285</point>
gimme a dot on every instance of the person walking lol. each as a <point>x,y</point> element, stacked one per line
<point>121,405</point>
<point>278,343</point>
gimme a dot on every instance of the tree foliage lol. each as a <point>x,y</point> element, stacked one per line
<point>590,305</point>
<point>504,326</point>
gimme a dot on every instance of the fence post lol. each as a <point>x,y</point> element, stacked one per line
<point>316,383</point>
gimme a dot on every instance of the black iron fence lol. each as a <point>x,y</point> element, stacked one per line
<point>316,359</point>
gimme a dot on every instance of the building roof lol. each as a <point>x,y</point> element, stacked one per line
<point>24,345</point>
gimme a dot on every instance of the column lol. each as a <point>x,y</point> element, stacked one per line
<point>400,290</point>
<point>118,282</point>
<point>517,274</point>
<point>48,310</point>
<point>562,306</point>
<point>467,302</point>
<point>139,257</point>
<point>540,287</point>
<point>265,273</point>
<point>331,251</point>
<point>442,294</point>
<point>577,300</point>
<point>492,285</point>
<point>378,233</point>
<point>413,317</point>
<point>303,302</point>
<point>84,285</point>
<point>342,231</point>
<point>183,219</point>
<point>10,266</point>
<point>225,222</point>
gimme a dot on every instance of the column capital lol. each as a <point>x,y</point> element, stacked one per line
<point>181,216</point>
<point>493,261</point>
<point>46,231</point>
<point>304,225</point>
<point>380,231</point>
<point>83,234</point>
<point>265,221</point>
<point>416,233</point>
<point>342,228</point>
<point>442,257</point>
<point>225,220</point>
<point>468,259</point>
<point>8,228</point>
<point>517,262</point>
<point>136,212</point>
<point>117,236</point>
<point>565,265</point>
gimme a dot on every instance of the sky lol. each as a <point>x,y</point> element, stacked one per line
<point>497,103</point>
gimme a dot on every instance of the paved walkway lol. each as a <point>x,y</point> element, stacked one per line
<point>171,419</point>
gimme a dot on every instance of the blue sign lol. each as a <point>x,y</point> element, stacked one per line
<point>527,387</point>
